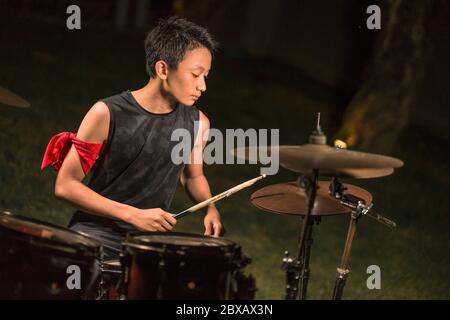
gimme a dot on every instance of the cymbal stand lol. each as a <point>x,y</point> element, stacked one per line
<point>297,269</point>
<point>359,208</point>
<point>342,270</point>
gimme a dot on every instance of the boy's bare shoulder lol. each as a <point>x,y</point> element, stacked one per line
<point>204,120</point>
<point>95,125</point>
<point>100,109</point>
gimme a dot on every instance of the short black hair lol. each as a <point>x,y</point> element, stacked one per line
<point>171,38</point>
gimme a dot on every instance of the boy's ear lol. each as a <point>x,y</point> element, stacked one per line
<point>161,69</point>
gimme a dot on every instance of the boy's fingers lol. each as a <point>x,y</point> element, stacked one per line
<point>170,219</point>
<point>208,230</point>
<point>166,225</point>
<point>217,228</point>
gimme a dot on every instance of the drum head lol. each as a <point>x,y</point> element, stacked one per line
<point>177,239</point>
<point>167,240</point>
<point>27,229</point>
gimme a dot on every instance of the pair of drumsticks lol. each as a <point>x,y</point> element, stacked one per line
<point>218,197</point>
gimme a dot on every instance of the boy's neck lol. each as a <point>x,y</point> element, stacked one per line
<point>152,98</point>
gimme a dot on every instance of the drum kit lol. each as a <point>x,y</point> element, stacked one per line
<point>35,256</point>
<point>37,260</point>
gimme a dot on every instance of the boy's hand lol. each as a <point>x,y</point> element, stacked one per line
<point>154,219</point>
<point>213,225</point>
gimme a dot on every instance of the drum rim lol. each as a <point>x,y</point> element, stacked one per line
<point>88,245</point>
<point>221,242</point>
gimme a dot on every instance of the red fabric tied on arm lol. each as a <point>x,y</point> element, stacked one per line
<point>59,146</point>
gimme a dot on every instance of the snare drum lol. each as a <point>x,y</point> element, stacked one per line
<point>36,260</point>
<point>184,266</point>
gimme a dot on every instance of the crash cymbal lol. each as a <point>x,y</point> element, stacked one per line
<point>329,160</point>
<point>363,173</point>
<point>286,198</point>
<point>315,156</point>
<point>9,98</point>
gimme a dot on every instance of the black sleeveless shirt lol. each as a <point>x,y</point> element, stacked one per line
<point>135,166</point>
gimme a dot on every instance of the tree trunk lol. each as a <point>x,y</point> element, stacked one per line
<point>379,111</point>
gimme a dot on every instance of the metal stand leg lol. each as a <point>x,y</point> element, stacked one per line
<point>305,259</point>
<point>342,270</point>
<point>297,269</point>
<point>359,208</point>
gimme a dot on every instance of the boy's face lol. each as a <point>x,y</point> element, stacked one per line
<point>188,81</point>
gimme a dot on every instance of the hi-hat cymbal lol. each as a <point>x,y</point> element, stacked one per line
<point>10,98</point>
<point>286,198</point>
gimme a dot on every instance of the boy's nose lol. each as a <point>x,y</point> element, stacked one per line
<point>202,86</point>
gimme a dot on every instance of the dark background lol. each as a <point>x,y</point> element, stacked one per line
<point>280,63</point>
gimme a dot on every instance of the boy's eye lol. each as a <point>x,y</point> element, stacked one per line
<point>195,75</point>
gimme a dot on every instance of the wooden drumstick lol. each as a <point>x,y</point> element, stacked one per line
<point>218,197</point>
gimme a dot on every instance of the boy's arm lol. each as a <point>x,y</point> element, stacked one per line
<point>69,187</point>
<point>195,182</point>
